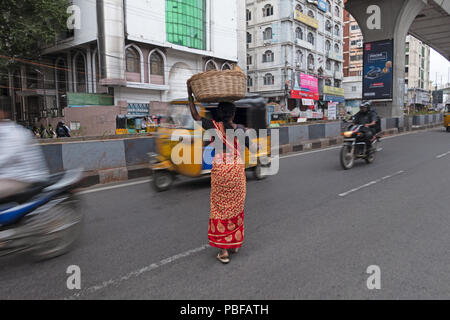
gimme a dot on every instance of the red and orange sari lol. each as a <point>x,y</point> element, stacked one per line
<point>228,190</point>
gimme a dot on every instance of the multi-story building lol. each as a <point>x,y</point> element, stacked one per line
<point>288,37</point>
<point>353,62</point>
<point>417,67</point>
<point>128,57</point>
<point>417,73</point>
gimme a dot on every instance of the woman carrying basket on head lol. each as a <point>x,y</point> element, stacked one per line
<point>228,183</point>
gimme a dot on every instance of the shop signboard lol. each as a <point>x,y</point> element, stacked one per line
<point>332,111</point>
<point>333,91</point>
<point>309,85</point>
<point>378,70</point>
<point>322,5</point>
<point>309,21</point>
<point>331,98</point>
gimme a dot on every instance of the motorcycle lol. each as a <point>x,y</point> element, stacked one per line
<point>356,148</point>
<point>44,221</point>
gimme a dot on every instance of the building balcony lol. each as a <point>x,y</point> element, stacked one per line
<point>335,56</point>
<point>328,73</point>
<point>304,44</point>
<point>338,75</point>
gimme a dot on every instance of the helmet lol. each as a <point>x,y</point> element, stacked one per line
<point>365,106</point>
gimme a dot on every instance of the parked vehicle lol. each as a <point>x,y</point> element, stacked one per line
<point>279,118</point>
<point>129,124</point>
<point>447,118</point>
<point>43,221</point>
<point>250,112</point>
<point>355,146</point>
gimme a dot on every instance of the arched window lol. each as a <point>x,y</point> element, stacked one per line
<point>269,79</point>
<point>299,33</point>
<point>336,48</point>
<point>249,60</point>
<point>80,73</point>
<point>327,46</point>
<point>268,56</point>
<point>337,66</point>
<point>267,34</point>
<point>328,82</point>
<point>299,8</point>
<point>249,81</point>
<point>328,6</point>
<point>156,64</point>
<point>61,78</point>
<point>311,14</point>
<point>311,38</point>
<point>310,61</point>
<point>249,37</point>
<point>328,26</point>
<point>226,66</point>
<point>299,57</point>
<point>336,30</point>
<point>328,65</point>
<point>61,83</point>
<point>210,65</point>
<point>337,12</point>
<point>249,15</point>
<point>267,10</point>
<point>133,60</point>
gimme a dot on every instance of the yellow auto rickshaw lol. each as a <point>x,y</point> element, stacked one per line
<point>181,150</point>
<point>279,118</point>
<point>131,124</point>
<point>447,117</point>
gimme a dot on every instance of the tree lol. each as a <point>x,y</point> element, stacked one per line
<point>28,26</point>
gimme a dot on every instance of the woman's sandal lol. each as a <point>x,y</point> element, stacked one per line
<point>223,258</point>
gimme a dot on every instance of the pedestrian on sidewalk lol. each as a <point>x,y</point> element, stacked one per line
<point>228,183</point>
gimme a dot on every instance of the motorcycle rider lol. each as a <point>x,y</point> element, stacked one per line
<point>22,162</point>
<point>368,118</point>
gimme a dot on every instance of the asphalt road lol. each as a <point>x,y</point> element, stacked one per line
<point>311,233</point>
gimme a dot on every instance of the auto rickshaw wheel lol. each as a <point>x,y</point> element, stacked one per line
<point>448,128</point>
<point>162,180</point>
<point>257,172</point>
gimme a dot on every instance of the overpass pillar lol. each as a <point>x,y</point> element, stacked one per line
<point>388,20</point>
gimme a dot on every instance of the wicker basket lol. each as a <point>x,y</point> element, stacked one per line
<point>218,86</point>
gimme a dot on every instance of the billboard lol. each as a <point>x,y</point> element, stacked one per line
<point>309,88</point>
<point>309,21</point>
<point>378,70</point>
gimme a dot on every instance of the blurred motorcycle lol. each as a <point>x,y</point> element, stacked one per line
<point>43,221</point>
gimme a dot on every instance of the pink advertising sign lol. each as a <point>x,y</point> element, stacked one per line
<point>310,85</point>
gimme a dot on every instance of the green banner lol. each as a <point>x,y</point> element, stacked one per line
<point>89,99</point>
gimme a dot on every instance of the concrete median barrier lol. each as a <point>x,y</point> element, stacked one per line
<point>119,158</point>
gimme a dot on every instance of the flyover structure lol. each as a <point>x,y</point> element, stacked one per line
<point>392,20</point>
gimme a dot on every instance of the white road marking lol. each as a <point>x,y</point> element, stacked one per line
<point>309,152</point>
<point>443,155</point>
<point>371,183</point>
<point>137,273</point>
<point>123,185</point>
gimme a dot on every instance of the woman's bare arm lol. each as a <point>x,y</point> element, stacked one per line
<point>191,99</point>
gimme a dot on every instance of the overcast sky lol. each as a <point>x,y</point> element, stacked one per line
<point>440,66</point>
